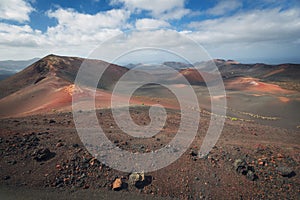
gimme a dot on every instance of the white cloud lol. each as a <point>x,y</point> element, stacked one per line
<point>75,34</point>
<point>224,7</point>
<point>12,35</point>
<point>171,9</point>
<point>16,10</point>
<point>255,26</point>
<point>86,22</point>
<point>77,28</point>
<point>257,33</point>
<point>139,46</point>
<point>177,13</point>
<point>147,23</point>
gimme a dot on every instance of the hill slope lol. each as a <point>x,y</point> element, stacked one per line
<point>47,85</point>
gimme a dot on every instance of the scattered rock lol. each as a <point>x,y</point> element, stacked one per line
<point>12,162</point>
<point>243,168</point>
<point>261,163</point>
<point>239,165</point>
<point>86,186</point>
<point>139,180</point>
<point>116,141</point>
<point>135,177</point>
<point>58,167</point>
<point>94,161</point>
<point>251,176</point>
<point>75,145</point>
<point>52,121</point>
<point>193,153</point>
<point>59,144</point>
<point>42,154</point>
<point>286,171</point>
<point>43,133</point>
<point>124,143</point>
<point>117,184</point>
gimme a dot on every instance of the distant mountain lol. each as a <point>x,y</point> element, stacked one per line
<point>10,67</point>
<point>5,74</point>
<point>286,75</point>
<point>231,68</point>
<point>174,65</point>
<point>178,65</point>
<point>61,67</point>
<point>49,83</point>
<point>131,65</point>
<point>16,65</point>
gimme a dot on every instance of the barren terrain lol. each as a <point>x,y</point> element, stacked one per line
<point>256,157</point>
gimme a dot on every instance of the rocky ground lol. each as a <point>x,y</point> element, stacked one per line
<point>250,161</point>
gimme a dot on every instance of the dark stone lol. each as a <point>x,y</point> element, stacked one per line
<point>13,162</point>
<point>52,121</point>
<point>116,141</point>
<point>43,154</point>
<point>141,184</point>
<point>251,176</point>
<point>286,171</point>
<point>193,153</point>
<point>240,166</point>
<point>6,178</point>
<point>243,168</point>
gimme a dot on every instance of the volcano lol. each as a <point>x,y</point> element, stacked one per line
<point>47,86</point>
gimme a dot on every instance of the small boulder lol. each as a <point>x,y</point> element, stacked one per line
<point>243,168</point>
<point>136,177</point>
<point>239,165</point>
<point>43,154</point>
<point>59,144</point>
<point>52,121</point>
<point>193,153</point>
<point>117,184</point>
<point>251,176</point>
<point>75,145</point>
<point>286,171</point>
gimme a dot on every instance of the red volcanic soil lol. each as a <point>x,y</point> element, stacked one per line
<point>250,161</point>
<point>54,94</point>
<point>40,147</point>
<point>254,85</point>
<point>47,86</point>
<point>46,95</point>
<point>194,77</point>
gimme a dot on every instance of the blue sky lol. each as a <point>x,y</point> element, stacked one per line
<point>247,31</point>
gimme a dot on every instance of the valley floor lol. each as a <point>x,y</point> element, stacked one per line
<point>43,156</point>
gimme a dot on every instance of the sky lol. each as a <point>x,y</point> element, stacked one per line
<point>244,30</point>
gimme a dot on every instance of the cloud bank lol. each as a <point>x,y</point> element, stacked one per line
<point>231,32</point>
